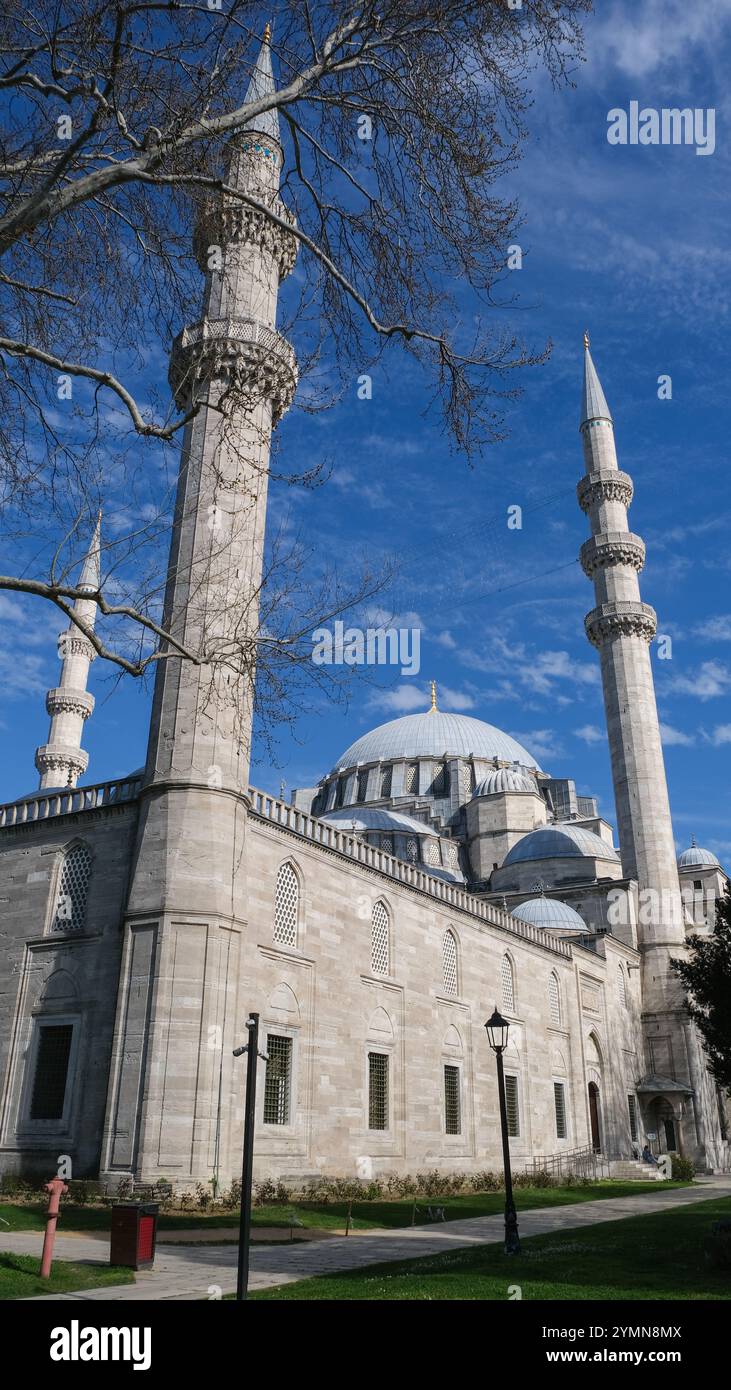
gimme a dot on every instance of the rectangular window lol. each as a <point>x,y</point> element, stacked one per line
<point>452,1109</point>
<point>377,1090</point>
<point>633,1130</point>
<point>278,1080</point>
<point>362,786</point>
<point>51,1071</point>
<point>511,1103</point>
<point>559,1100</point>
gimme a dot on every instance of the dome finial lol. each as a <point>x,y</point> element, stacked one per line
<point>267,32</point>
<point>433,698</point>
<point>586,340</point>
<point>693,843</point>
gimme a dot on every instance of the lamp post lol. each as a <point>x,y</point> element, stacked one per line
<point>252,1055</point>
<point>497,1035</point>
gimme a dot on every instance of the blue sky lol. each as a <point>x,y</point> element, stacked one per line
<point>631,243</point>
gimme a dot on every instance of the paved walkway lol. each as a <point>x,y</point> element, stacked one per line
<point>196,1272</point>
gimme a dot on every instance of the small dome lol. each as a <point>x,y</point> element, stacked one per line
<point>365,818</point>
<point>506,779</point>
<point>695,856</point>
<point>550,914</point>
<point>434,734</point>
<point>560,842</point>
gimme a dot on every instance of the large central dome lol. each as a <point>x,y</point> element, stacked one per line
<point>434,734</point>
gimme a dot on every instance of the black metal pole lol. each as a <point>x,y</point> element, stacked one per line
<point>512,1241</point>
<point>252,1055</point>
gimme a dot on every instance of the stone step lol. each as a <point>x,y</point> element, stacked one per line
<point>633,1170</point>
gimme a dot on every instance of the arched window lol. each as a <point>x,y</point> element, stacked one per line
<point>440,784</point>
<point>554,999</point>
<point>73,888</point>
<point>386,781</point>
<point>411,782</point>
<point>286,906</point>
<point>380,943</point>
<point>449,962</point>
<point>507,979</point>
<point>622,987</point>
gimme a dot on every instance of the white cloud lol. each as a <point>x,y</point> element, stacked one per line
<point>542,743</point>
<point>445,639</point>
<point>716,629</point>
<point>675,737</point>
<point>642,39</point>
<point>591,733</point>
<point>408,698</point>
<point>721,735</point>
<point>711,679</point>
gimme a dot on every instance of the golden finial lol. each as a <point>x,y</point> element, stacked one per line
<point>433,697</point>
<point>267,32</point>
<point>586,340</point>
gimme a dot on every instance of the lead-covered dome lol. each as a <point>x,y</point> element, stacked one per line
<point>506,779</point>
<point>694,857</point>
<point>560,842</point>
<point>434,734</point>
<point>551,915</point>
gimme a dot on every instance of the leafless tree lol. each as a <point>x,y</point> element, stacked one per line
<point>399,118</point>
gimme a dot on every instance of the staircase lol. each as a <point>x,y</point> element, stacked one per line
<point>634,1170</point>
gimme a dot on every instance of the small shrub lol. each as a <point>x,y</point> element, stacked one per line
<point>231,1199</point>
<point>265,1192</point>
<point>683,1170</point>
<point>486,1182</point>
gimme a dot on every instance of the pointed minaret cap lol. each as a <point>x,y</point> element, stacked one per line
<point>262,84</point>
<point>594,402</point>
<point>91,572</point>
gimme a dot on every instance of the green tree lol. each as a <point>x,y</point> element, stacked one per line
<point>706,978</point>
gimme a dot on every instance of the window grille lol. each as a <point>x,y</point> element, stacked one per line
<point>432,853</point>
<point>412,777</point>
<point>412,850</point>
<point>380,953</point>
<point>622,988</point>
<point>508,983</point>
<point>468,780</point>
<point>51,1071</point>
<point>340,792</point>
<point>286,906</point>
<point>278,1079</point>
<point>377,1090</point>
<point>387,843</point>
<point>559,1101</point>
<point>73,889</point>
<point>449,962</point>
<point>452,1109</point>
<point>362,786</point>
<point>554,1000</point>
<point>511,1105</point>
<point>440,785</point>
<point>633,1127</point>
<point>386,781</point>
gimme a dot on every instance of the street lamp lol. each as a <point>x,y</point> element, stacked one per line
<point>497,1035</point>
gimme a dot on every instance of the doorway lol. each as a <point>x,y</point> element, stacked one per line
<point>596,1137</point>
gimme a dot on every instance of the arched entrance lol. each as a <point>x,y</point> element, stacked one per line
<point>664,1125</point>
<point>596,1134</point>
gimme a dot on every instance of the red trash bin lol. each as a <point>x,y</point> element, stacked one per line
<point>134,1232</point>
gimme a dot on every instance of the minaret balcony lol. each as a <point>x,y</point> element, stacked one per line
<point>61,759</point>
<point>248,357</point>
<point>605,485</point>
<point>239,222</point>
<point>72,642</point>
<point>612,548</point>
<point>621,619</point>
<point>65,700</point>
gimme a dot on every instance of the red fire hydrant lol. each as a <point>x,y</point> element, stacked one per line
<point>56,1188</point>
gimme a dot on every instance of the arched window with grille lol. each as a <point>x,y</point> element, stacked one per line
<point>69,913</point>
<point>286,906</point>
<point>622,984</point>
<point>507,980</point>
<point>380,940</point>
<point>449,963</point>
<point>554,999</point>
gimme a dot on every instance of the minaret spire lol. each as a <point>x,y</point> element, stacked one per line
<point>62,760</point>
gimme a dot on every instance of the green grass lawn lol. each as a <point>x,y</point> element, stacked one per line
<point>639,1257</point>
<point>19,1277</point>
<point>331,1215</point>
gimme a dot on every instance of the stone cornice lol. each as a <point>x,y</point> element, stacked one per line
<point>612,548</point>
<point>51,757</point>
<point>605,485</point>
<point>243,354</point>
<point>64,699</point>
<point>241,223</point>
<point>622,619</point>
<point>75,644</point>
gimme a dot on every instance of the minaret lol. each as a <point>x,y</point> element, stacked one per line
<point>187,907</point>
<point>622,627</point>
<point>62,760</point>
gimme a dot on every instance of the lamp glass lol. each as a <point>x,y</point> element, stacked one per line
<point>497,1032</point>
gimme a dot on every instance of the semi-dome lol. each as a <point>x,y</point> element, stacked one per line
<point>506,779</point>
<point>434,734</point>
<point>694,857</point>
<point>560,842</point>
<point>550,914</point>
<point>376,818</point>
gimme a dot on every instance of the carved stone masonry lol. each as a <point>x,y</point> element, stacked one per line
<point>612,620</point>
<point>612,548</point>
<point>239,222</point>
<point>607,484</point>
<point>241,354</point>
<point>66,700</point>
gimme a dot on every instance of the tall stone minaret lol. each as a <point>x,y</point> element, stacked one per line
<point>622,627</point>
<point>62,760</point>
<point>187,903</point>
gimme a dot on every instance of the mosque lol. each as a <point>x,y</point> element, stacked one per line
<point>374,920</point>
